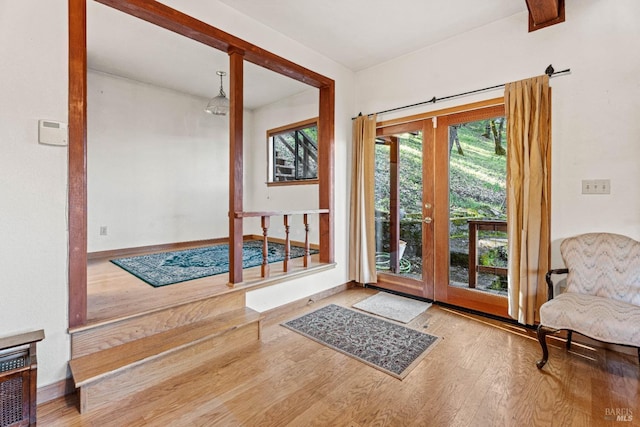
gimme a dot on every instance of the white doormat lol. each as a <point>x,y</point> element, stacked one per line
<point>393,307</point>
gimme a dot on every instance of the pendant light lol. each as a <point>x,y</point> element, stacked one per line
<point>219,105</point>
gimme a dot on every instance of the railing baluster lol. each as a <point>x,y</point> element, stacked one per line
<point>265,217</point>
<point>307,255</point>
<point>287,245</point>
<point>265,246</point>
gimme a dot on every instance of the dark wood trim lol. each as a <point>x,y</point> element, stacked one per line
<point>326,171</point>
<point>77,170</point>
<point>288,183</point>
<point>544,13</point>
<point>292,126</point>
<point>165,247</point>
<point>279,213</point>
<point>443,291</point>
<point>438,113</point>
<point>166,17</point>
<point>178,22</point>
<point>236,113</point>
<point>428,197</point>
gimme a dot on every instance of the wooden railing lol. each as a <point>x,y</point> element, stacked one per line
<point>265,221</point>
<point>474,268</point>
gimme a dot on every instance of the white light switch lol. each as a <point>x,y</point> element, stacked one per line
<point>596,186</point>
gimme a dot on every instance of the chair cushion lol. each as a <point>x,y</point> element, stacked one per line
<point>601,318</point>
<point>603,264</point>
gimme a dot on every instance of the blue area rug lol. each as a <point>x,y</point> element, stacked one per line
<point>167,268</point>
<point>389,347</point>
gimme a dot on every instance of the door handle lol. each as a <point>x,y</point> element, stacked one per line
<point>427,220</point>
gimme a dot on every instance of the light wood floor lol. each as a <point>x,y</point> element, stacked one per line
<point>482,373</point>
<point>113,292</point>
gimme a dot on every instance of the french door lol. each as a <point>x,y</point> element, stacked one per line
<point>404,208</point>
<point>441,209</point>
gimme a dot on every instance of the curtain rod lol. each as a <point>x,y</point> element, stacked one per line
<point>549,72</point>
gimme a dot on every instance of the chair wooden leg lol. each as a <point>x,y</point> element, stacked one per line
<point>568,343</point>
<point>543,331</point>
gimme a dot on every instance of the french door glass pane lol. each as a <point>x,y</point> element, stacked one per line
<point>401,176</point>
<point>477,203</point>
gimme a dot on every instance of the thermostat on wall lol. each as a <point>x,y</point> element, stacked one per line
<point>52,133</point>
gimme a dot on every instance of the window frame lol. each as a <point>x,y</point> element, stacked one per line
<point>292,127</point>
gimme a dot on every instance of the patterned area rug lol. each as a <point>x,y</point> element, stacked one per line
<point>389,347</point>
<point>393,307</point>
<point>167,268</point>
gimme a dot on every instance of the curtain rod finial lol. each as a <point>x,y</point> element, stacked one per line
<point>549,71</point>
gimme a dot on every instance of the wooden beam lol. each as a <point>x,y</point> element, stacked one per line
<point>326,173</point>
<point>239,50</point>
<point>77,170</point>
<point>236,113</point>
<point>544,13</point>
<point>178,22</point>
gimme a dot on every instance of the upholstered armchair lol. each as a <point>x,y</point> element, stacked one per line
<point>602,297</point>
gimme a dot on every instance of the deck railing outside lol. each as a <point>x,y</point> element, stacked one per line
<point>474,268</point>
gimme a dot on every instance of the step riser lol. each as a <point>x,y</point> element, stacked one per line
<point>125,330</point>
<point>152,372</point>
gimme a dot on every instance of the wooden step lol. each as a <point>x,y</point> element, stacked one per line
<point>109,375</point>
<point>96,337</point>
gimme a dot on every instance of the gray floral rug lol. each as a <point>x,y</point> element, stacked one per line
<point>167,268</point>
<point>387,346</point>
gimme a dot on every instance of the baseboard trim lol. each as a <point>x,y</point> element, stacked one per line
<point>119,253</point>
<point>274,313</point>
<point>53,391</point>
<point>165,247</point>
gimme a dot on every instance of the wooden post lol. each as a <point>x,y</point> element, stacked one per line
<point>236,63</point>
<point>326,117</point>
<point>265,246</point>
<point>77,171</point>
<point>287,245</point>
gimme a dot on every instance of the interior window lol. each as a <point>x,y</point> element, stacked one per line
<point>293,153</point>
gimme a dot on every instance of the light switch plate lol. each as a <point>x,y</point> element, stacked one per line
<point>596,186</point>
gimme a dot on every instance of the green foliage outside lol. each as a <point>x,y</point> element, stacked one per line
<point>477,178</point>
<point>477,185</point>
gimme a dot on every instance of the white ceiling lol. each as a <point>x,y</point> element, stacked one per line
<point>361,33</point>
<point>129,47</point>
<point>355,33</point>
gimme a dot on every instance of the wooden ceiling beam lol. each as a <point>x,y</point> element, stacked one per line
<point>178,22</point>
<point>543,13</point>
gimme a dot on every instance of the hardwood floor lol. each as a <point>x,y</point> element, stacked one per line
<point>114,293</point>
<point>482,373</point>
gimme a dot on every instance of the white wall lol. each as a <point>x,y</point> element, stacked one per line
<point>33,214</point>
<point>259,196</point>
<point>227,19</point>
<point>596,130</point>
<point>157,165</point>
<point>33,253</point>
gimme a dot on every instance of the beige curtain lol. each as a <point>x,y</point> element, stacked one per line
<point>362,257</point>
<point>528,111</point>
